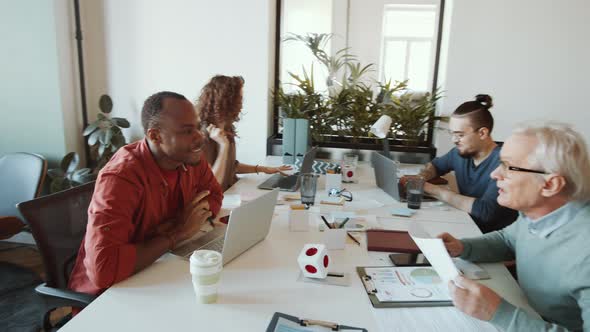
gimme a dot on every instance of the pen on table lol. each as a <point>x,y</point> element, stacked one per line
<point>326,222</point>
<point>335,274</point>
<point>353,238</point>
<point>344,222</point>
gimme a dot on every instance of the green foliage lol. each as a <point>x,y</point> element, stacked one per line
<point>104,135</point>
<point>352,105</point>
<point>411,113</point>
<point>68,175</point>
<point>104,138</point>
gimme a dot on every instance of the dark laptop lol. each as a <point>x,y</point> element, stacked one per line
<point>290,182</point>
<point>386,178</point>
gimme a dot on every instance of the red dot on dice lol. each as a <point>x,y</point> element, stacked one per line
<point>311,251</point>
<point>349,174</point>
<point>326,261</point>
<point>310,269</point>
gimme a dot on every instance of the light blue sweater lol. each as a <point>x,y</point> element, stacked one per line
<point>553,265</point>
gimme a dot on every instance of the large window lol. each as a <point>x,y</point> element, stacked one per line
<point>409,44</point>
<point>398,38</point>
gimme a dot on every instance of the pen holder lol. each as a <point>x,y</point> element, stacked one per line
<point>298,220</point>
<point>334,238</point>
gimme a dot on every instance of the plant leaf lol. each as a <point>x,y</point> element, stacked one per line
<point>57,185</point>
<point>83,175</point>
<point>105,104</point>
<point>123,123</point>
<point>55,173</point>
<point>70,162</point>
<point>91,127</point>
<point>94,137</point>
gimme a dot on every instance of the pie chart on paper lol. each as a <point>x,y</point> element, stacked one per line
<point>425,276</point>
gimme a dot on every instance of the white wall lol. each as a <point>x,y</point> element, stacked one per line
<point>37,85</point>
<point>135,48</point>
<point>531,56</point>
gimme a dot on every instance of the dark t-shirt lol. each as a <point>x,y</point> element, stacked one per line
<point>475,181</point>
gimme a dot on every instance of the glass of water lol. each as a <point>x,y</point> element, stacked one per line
<point>308,186</point>
<point>414,191</point>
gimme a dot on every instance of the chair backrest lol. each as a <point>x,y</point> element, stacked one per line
<point>58,223</point>
<point>21,178</point>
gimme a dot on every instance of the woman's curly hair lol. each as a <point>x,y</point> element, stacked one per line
<point>220,100</point>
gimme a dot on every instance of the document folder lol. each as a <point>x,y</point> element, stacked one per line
<point>407,286</point>
<point>391,241</point>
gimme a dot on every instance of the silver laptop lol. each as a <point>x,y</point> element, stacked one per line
<point>248,224</point>
<point>386,177</point>
<point>290,182</point>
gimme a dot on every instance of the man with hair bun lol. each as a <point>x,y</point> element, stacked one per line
<point>473,159</point>
<point>544,175</point>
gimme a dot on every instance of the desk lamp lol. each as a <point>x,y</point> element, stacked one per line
<point>380,129</point>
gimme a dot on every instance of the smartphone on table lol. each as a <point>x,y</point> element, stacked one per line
<point>409,260</point>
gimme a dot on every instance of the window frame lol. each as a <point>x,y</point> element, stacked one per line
<point>276,137</point>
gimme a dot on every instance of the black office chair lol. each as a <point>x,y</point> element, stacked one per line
<point>21,179</point>
<point>58,223</point>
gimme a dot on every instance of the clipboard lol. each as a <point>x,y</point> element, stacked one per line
<point>372,290</point>
<point>283,322</point>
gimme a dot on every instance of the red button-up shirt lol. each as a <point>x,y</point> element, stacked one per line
<point>129,202</point>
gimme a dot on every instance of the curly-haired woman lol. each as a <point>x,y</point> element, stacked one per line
<point>219,107</point>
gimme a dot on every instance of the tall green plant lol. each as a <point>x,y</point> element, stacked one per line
<point>411,113</point>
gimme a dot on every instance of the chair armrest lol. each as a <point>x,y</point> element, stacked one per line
<point>81,299</point>
<point>10,226</point>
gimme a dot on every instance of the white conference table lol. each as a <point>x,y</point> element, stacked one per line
<point>263,280</point>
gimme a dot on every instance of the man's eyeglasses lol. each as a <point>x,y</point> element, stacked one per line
<point>505,167</point>
<point>347,195</point>
<point>460,135</point>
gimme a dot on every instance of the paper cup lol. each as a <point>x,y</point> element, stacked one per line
<point>205,268</point>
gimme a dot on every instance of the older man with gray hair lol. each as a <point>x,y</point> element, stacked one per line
<point>544,174</point>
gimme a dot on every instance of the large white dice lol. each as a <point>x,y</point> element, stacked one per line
<point>313,261</point>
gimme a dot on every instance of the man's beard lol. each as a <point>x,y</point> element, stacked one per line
<point>466,154</point>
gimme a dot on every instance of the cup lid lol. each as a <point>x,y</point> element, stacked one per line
<point>205,258</point>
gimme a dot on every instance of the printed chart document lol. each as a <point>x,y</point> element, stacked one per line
<point>436,253</point>
<point>407,284</point>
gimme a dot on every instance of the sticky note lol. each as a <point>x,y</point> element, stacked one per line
<point>403,212</point>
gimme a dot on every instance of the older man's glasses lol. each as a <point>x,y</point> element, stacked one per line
<point>505,168</point>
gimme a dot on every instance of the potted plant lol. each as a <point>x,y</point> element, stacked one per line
<point>68,175</point>
<point>353,103</point>
<point>411,113</point>
<point>104,137</point>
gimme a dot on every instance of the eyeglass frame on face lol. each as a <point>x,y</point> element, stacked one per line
<point>459,136</point>
<point>504,168</point>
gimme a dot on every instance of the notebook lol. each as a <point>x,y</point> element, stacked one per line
<point>391,241</point>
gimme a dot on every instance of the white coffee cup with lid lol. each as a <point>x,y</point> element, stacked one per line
<point>205,268</point>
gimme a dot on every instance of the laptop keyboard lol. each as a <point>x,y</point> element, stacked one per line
<point>215,245</point>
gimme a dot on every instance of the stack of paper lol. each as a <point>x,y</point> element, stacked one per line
<point>436,253</point>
